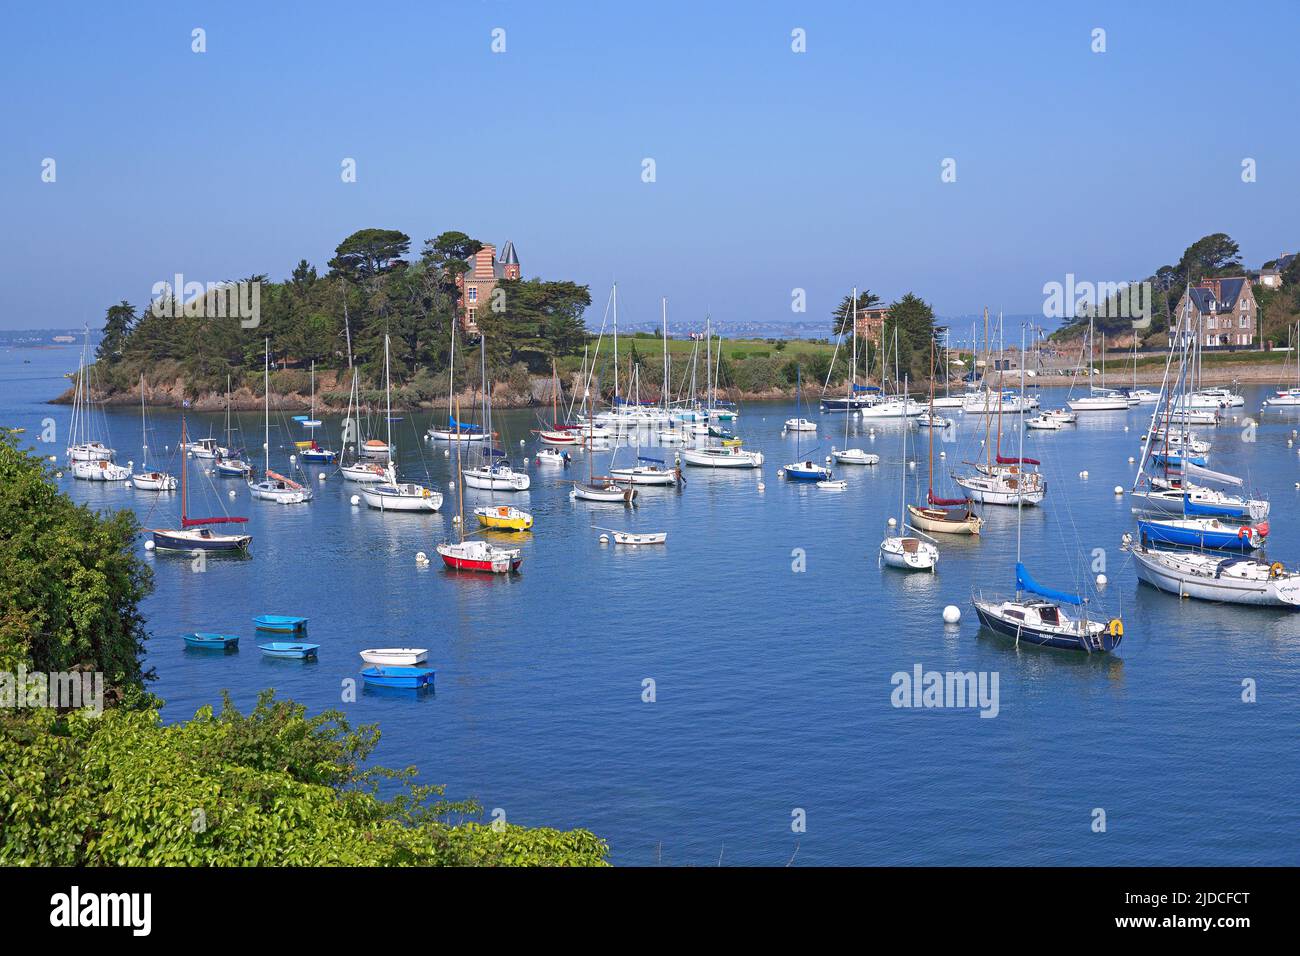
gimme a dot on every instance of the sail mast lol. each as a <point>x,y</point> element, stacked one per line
<point>266,395</point>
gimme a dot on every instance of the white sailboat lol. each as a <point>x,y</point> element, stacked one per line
<point>145,479</point>
<point>272,486</point>
<point>454,430</point>
<point>1099,398</point>
<point>231,464</point>
<point>1004,480</point>
<point>391,494</point>
<point>89,459</point>
<point>907,552</point>
<point>493,472</point>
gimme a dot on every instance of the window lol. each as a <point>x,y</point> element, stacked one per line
<point>473,293</point>
<point>1245,322</point>
<point>470,315</point>
<point>1016,615</point>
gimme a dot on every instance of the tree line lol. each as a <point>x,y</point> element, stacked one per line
<point>372,287</point>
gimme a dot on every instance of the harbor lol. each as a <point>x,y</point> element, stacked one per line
<point>681,699</point>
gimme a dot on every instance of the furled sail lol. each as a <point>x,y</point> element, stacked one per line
<point>1025,582</point>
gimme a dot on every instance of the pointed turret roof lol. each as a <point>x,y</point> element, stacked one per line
<point>508,255</point>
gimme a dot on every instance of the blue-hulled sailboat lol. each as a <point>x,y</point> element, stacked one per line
<point>803,469</point>
<point>193,534</point>
<point>1039,614</point>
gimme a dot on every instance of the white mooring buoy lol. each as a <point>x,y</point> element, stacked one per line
<point>951,614</point>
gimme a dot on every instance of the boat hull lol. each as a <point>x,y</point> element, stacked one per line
<point>1269,593</point>
<point>1225,539</point>
<point>193,541</point>
<point>1044,638</point>
<point>401,498</point>
<point>395,656</point>
<point>154,481</point>
<point>936,519</point>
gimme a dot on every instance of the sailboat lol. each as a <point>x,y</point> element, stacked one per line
<point>947,399</point>
<point>935,514</point>
<point>558,433</point>
<point>1289,397</point>
<point>231,464</point>
<point>602,488</point>
<point>1004,481</point>
<point>273,486</point>
<point>803,469</point>
<point>391,494</point>
<point>145,479</point>
<point>454,430</point>
<point>1038,614</point>
<point>1235,579</point>
<point>90,460</point>
<point>312,451</point>
<point>1098,399</point>
<point>907,552</point>
<point>493,471</point>
<point>476,555</point>
<point>193,534</point>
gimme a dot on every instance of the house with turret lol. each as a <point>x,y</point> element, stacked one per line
<point>474,287</point>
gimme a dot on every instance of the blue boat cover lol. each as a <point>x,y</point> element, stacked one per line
<point>494,452</point>
<point>453,425</point>
<point>656,461</point>
<point>865,388</point>
<point>1024,582</point>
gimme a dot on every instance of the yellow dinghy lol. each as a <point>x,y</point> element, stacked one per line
<point>504,518</point>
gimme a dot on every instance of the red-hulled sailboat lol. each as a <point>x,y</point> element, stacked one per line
<point>481,556</point>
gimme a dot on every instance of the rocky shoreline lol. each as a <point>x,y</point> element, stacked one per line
<point>538,394</point>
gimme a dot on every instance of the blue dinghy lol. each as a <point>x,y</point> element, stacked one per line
<point>407,677</point>
<point>214,642</point>
<point>283,649</point>
<point>280,623</point>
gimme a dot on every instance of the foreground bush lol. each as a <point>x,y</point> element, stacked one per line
<point>271,788</point>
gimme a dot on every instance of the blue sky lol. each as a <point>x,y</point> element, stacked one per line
<point>775,170</point>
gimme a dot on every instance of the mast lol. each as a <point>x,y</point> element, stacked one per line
<point>616,346</point>
<point>853,375</point>
<point>144,439</point>
<point>930,491</point>
<point>663,302</point>
<point>185,470</point>
<point>266,395</point>
<point>388,412</point>
<point>708,367</point>
<point>1020,491</point>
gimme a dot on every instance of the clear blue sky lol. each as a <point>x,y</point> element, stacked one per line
<point>775,170</point>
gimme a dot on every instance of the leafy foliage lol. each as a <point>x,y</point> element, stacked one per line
<point>271,788</point>
<point>842,317</point>
<point>70,582</point>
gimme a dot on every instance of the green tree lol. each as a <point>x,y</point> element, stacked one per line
<point>1210,255</point>
<point>913,320</point>
<point>118,323</point>
<point>842,317</point>
<point>368,253</point>
<point>70,581</point>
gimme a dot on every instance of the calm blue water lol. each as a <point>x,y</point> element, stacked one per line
<point>773,687</point>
